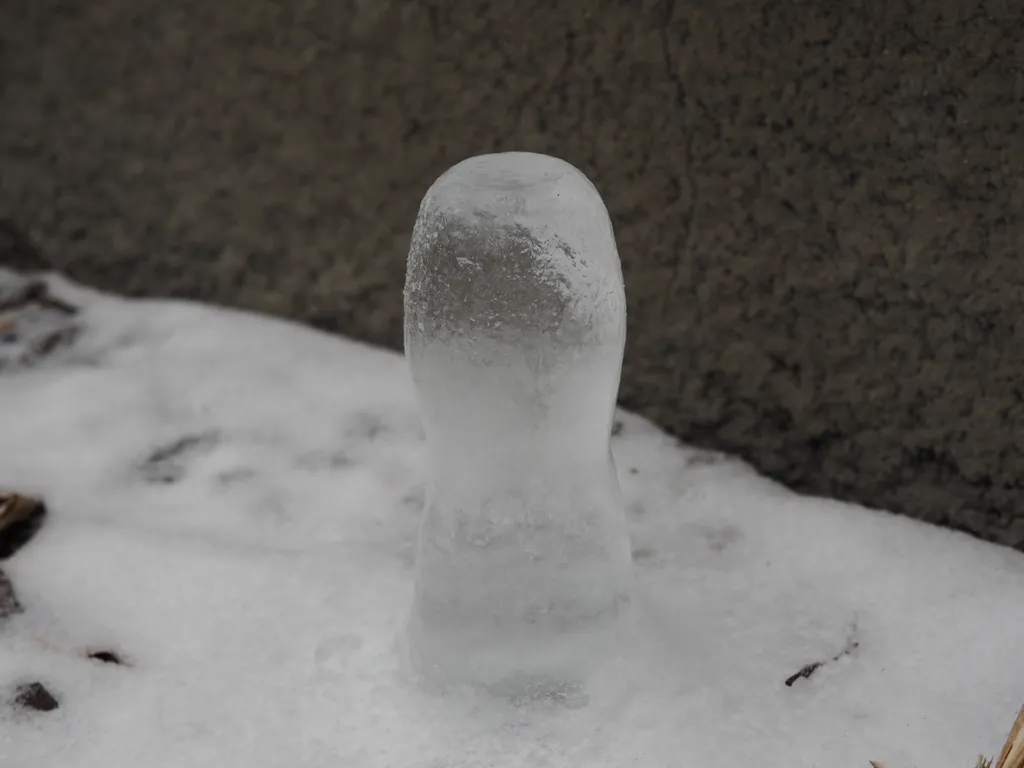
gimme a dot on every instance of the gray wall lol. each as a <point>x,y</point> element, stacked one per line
<point>818,204</point>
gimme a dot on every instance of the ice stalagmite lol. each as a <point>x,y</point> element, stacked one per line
<point>514,332</point>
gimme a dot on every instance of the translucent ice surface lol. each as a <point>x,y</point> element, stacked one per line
<point>514,331</point>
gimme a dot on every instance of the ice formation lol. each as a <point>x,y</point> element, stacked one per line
<point>514,334</point>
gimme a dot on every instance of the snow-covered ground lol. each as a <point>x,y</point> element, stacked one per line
<point>233,506</point>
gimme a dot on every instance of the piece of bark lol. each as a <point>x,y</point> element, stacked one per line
<point>35,696</point>
<point>20,518</point>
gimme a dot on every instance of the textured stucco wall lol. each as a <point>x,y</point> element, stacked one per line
<point>818,204</point>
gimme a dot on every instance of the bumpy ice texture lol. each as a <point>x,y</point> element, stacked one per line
<point>514,333</point>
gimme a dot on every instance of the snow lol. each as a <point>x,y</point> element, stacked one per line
<point>234,503</point>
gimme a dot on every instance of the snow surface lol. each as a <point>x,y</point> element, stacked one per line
<point>234,502</point>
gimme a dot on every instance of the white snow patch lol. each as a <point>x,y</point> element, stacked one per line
<point>233,506</point>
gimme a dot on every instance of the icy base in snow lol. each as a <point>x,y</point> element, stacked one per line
<point>233,506</point>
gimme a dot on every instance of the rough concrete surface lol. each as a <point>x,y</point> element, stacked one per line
<point>818,204</point>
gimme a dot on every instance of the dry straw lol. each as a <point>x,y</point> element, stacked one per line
<point>1012,755</point>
